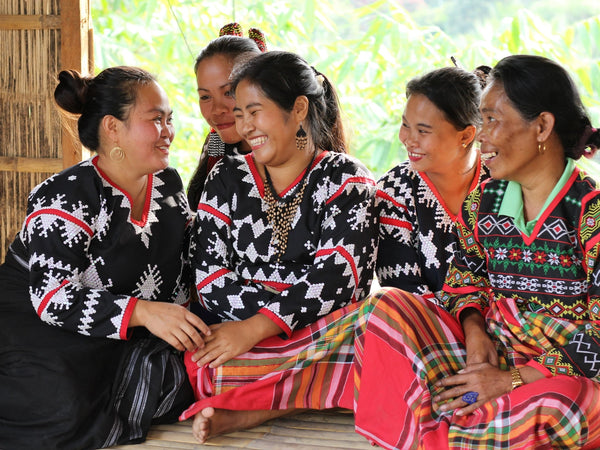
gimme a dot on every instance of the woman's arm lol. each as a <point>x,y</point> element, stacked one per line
<point>57,233</point>
<point>398,261</point>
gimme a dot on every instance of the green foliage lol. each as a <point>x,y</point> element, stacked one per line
<point>369,51</point>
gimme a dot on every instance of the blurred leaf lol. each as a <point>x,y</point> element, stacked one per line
<point>369,50</point>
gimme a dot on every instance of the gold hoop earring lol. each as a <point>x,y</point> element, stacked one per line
<point>117,154</point>
<point>541,148</point>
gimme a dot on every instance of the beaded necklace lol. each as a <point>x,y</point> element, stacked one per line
<point>281,211</point>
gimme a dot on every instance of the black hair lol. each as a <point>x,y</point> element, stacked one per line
<point>535,84</point>
<point>283,77</point>
<point>454,91</point>
<point>112,92</point>
<point>228,45</point>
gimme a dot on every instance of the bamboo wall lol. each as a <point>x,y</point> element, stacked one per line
<point>38,38</point>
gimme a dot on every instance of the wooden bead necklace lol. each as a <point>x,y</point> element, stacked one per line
<point>281,211</point>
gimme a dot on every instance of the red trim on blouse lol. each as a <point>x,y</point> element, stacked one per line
<point>275,318</point>
<point>65,215</point>
<point>142,221</point>
<point>127,318</point>
<point>439,197</point>
<point>344,253</point>
<point>536,229</point>
<point>357,180</point>
<point>278,286</point>
<point>259,181</point>
<point>201,300</point>
<point>384,195</point>
<point>591,242</point>
<point>395,222</point>
<point>48,296</point>
<point>294,183</point>
<point>474,184</point>
<point>212,277</point>
<point>254,170</point>
<point>214,212</point>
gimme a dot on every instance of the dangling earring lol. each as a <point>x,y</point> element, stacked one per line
<point>117,154</point>
<point>301,139</point>
<point>541,148</point>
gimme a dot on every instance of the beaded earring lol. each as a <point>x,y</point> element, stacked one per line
<point>301,139</point>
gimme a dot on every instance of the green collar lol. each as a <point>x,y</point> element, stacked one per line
<point>512,202</point>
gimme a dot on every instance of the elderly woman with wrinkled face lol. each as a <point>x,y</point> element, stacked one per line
<point>512,362</point>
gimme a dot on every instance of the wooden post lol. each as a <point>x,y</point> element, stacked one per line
<point>77,54</point>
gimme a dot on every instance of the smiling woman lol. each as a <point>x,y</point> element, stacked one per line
<point>92,291</point>
<point>282,250</point>
<point>512,360</point>
<point>213,69</point>
<point>419,200</point>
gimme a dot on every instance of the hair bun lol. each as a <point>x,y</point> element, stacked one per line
<point>588,143</point>
<point>482,73</point>
<point>72,91</point>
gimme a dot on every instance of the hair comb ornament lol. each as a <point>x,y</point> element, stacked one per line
<point>235,29</point>
<point>257,36</point>
<point>231,29</point>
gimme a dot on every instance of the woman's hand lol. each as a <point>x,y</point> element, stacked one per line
<point>231,339</point>
<point>479,345</point>
<point>172,323</point>
<point>486,380</point>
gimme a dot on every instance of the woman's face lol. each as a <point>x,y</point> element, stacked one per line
<point>269,130</point>
<point>148,132</point>
<point>508,142</point>
<point>216,100</point>
<point>433,144</point>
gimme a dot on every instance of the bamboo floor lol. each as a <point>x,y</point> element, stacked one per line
<point>304,431</point>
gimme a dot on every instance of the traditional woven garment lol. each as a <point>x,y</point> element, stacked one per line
<point>328,263</point>
<point>551,274</point>
<point>397,366</point>
<point>329,254</point>
<point>416,231</point>
<point>311,369</point>
<point>539,294</point>
<point>72,374</point>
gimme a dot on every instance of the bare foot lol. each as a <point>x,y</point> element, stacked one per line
<point>211,422</point>
<point>201,424</point>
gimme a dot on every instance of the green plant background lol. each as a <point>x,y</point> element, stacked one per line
<point>368,49</point>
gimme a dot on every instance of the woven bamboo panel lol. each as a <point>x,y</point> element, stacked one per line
<point>37,39</point>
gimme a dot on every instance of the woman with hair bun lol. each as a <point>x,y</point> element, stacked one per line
<point>513,361</point>
<point>419,200</point>
<point>212,68</point>
<point>282,252</point>
<point>93,289</point>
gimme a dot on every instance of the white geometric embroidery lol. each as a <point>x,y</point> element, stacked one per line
<point>149,285</point>
<point>87,320</point>
<point>429,249</point>
<point>591,358</point>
